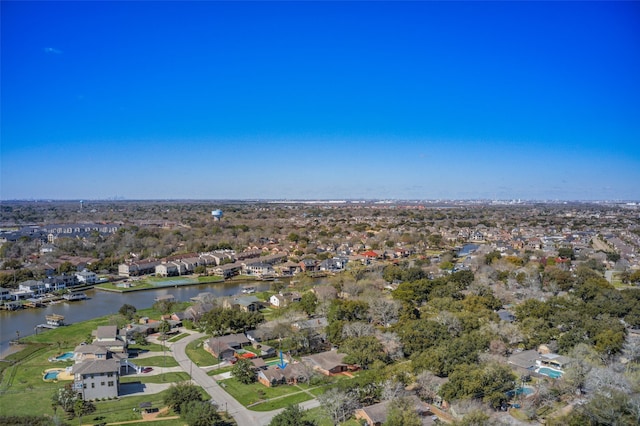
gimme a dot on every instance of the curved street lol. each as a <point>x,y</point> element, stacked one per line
<point>242,415</point>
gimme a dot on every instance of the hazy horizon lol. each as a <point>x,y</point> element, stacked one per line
<point>320,101</point>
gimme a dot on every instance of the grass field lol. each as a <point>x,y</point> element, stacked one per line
<point>255,392</point>
<point>158,361</point>
<point>198,355</point>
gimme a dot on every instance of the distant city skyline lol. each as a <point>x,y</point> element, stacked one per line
<point>320,100</point>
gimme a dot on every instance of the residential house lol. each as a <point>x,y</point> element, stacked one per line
<point>333,265</point>
<point>309,265</point>
<point>170,269</point>
<point>5,293</point>
<point>224,347</point>
<point>291,374</point>
<point>245,303</point>
<point>284,299</point>
<point>288,268</point>
<point>32,286</point>
<point>376,414</point>
<point>133,269</point>
<point>259,269</point>
<point>197,310</point>
<point>97,378</point>
<point>327,363</point>
<point>108,336</point>
<point>226,271</point>
<point>86,277</point>
<point>85,352</point>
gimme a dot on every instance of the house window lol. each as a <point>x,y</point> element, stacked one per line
<point>101,383</point>
<point>84,386</point>
<point>93,385</point>
<point>109,374</point>
<point>110,384</point>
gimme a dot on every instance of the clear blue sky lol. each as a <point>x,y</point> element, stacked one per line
<point>328,100</point>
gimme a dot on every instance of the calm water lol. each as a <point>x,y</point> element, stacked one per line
<point>102,303</point>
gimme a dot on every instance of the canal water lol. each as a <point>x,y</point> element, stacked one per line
<point>22,323</point>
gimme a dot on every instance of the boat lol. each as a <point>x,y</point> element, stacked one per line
<point>55,320</point>
<point>74,296</point>
<point>249,290</point>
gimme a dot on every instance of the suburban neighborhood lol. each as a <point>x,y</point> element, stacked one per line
<point>373,313</point>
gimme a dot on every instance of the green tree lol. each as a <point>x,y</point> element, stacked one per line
<point>66,267</point>
<point>200,413</point>
<point>82,408</point>
<point>309,302</point>
<point>128,311</point>
<point>181,393</point>
<point>363,351</point>
<point>140,338</point>
<point>12,264</point>
<point>566,252</point>
<point>164,327</point>
<point>292,415</point>
<point>402,413</point>
<point>491,256</point>
<point>243,371</point>
<point>392,273</point>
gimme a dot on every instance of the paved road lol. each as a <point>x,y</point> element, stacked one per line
<point>242,415</point>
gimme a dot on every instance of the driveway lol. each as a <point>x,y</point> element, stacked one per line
<point>242,415</point>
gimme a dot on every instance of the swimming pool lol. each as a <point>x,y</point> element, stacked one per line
<point>65,356</point>
<point>51,375</point>
<point>520,391</point>
<point>554,374</point>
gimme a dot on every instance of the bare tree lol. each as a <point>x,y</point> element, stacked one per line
<point>449,320</point>
<point>602,378</point>
<point>392,345</point>
<point>337,404</point>
<point>428,386</point>
<point>357,329</point>
<point>392,389</point>
<point>383,311</point>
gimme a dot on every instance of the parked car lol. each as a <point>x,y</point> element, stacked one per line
<point>147,370</point>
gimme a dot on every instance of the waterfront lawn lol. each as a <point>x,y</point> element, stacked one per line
<point>255,392</point>
<point>198,355</point>
<point>69,336</point>
<point>23,390</point>
<point>158,361</point>
<point>210,279</point>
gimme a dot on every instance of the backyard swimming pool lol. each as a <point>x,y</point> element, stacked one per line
<point>521,391</point>
<point>554,374</point>
<point>51,375</point>
<point>65,356</point>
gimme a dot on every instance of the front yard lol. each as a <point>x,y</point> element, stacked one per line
<point>254,393</point>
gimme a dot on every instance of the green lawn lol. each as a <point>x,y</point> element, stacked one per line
<point>178,337</point>
<point>282,402</point>
<point>157,361</point>
<point>217,371</point>
<point>149,347</point>
<point>198,355</point>
<point>171,377</point>
<point>210,279</point>
<point>255,392</point>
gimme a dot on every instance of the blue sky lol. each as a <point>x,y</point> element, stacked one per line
<point>327,100</point>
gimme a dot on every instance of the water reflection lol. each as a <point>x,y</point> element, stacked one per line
<point>21,323</point>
